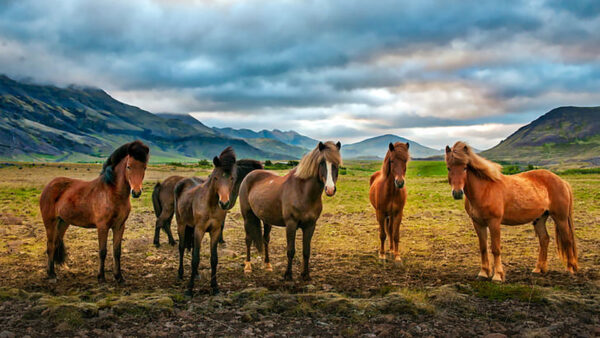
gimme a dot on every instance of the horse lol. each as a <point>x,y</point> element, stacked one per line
<point>493,199</point>
<point>292,201</point>
<point>102,203</point>
<point>163,198</point>
<point>201,208</point>
<point>387,193</point>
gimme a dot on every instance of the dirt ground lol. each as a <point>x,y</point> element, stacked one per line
<point>432,292</point>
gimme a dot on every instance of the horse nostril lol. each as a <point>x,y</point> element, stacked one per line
<point>399,184</point>
<point>457,194</point>
<point>223,205</point>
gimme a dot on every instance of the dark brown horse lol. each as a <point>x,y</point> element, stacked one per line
<point>292,201</point>
<point>102,203</point>
<point>493,199</point>
<point>163,197</point>
<point>201,208</point>
<point>388,196</point>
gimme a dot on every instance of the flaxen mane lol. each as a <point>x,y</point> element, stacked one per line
<point>462,153</point>
<point>400,152</point>
<point>135,149</point>
<point>309,164</point>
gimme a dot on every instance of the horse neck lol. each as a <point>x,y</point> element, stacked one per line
<point>475,186</point>
<point>314,188</point>
<point>121,185</point>
<point>209,190</point>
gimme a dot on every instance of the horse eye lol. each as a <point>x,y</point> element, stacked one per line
<point>128,168</point>
<point>465,169</point>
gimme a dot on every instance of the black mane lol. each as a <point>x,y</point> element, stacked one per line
<point>227,160</point>
<point>135,149</point>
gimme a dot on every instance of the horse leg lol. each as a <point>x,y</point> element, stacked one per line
<point>51,234</point>
<point>307,233</point>
<point>267,239</point>
<point>167,228</point>
<point>251,221</point>
<point>482,234</point>
<point>157,227</point>
<point>117,239</point>
<point>494,227</point>
<point>215,235</point>
<point>542,233</point>
<point>198,235</point>
<point>381,219</point>
<point>181,235</point>
<point>102,238</point>
<point>221,240</point>
<point>290,234</point>
<point>397,221</point>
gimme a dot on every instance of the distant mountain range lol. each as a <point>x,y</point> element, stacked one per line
<point>376,147</point>
<point>47,123</point>
<point>563,135</point>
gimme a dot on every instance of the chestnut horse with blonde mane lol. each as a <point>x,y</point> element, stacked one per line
<point>102,203</point>
<point>292,201</point>
<point>388,196</point>
<point>493,199</point>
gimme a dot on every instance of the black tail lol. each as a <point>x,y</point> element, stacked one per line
<point>253,228</point>
<point>60,252</point>
<point>188,238</point>
<point>156,200</point>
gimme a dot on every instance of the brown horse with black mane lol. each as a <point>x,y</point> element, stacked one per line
<point>493,199</point>
<point>163,197</point>
<point>292,201</point>
<point>102,203</point>
<point>200,208</point>
<point>388,196</point>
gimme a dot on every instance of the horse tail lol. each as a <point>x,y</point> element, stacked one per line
<point>252,226</point>
<point>156,199</point>
<point>188,238</point>
<point>565,238</point>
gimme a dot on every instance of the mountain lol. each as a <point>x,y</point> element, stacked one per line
<point>48,123</point>
<point>376,147</point>
<point>289,137</point>
<point>563,135</point>
<point>190,121</point>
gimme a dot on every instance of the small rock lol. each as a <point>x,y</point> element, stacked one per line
<point>495,335</point>
<point>62,327</point>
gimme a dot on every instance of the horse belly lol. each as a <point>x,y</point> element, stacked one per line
<point>266,208</point>
<point>525,202</point>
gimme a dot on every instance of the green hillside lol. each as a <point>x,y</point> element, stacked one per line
<point>565,135</point>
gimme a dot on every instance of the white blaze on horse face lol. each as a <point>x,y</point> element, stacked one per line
<point>329,184</point>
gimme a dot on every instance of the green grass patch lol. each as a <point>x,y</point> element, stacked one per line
<point>502,292</point>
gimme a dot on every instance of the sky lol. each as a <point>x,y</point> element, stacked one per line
<point>431,71</point>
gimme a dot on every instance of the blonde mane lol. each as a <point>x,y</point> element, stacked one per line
<point>309,164</point>
<point>462,153</point>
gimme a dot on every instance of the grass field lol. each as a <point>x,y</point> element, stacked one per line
<point>433,291</point>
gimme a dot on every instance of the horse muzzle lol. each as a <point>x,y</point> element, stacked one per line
<point>399,184</point>
<point>224,205</point>
<point>136,194</point>
<point>458,195</point>
<point>329,191</point>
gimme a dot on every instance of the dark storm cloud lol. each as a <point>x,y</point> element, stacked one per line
<point>421,62</point>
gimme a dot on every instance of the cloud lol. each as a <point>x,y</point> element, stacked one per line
<point>337,69</point>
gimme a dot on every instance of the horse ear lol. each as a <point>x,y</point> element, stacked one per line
<point>391,146</point>
<point>338,145</point>
<point>466,149</point>
<point>216,161</point>
<point>321,146</point>
<point>448,149</point>
<point>407,145</point>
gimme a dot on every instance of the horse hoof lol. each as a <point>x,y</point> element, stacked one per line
<point>215,291</point>
<point>305,277</point>
<point>482,275</point>
<point>397,259</point>
<point>156,245</point>
<point>288,277</point>
<point>189,293</point>
<point>52,280</point>
<point>497,279</point>
<point>247,267</point>
<point>538,271</point>
<point>120,279</point>
<point>101,279</point>
<point>382,257</point>
<point>268,267</point>
<point>172,243</point>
